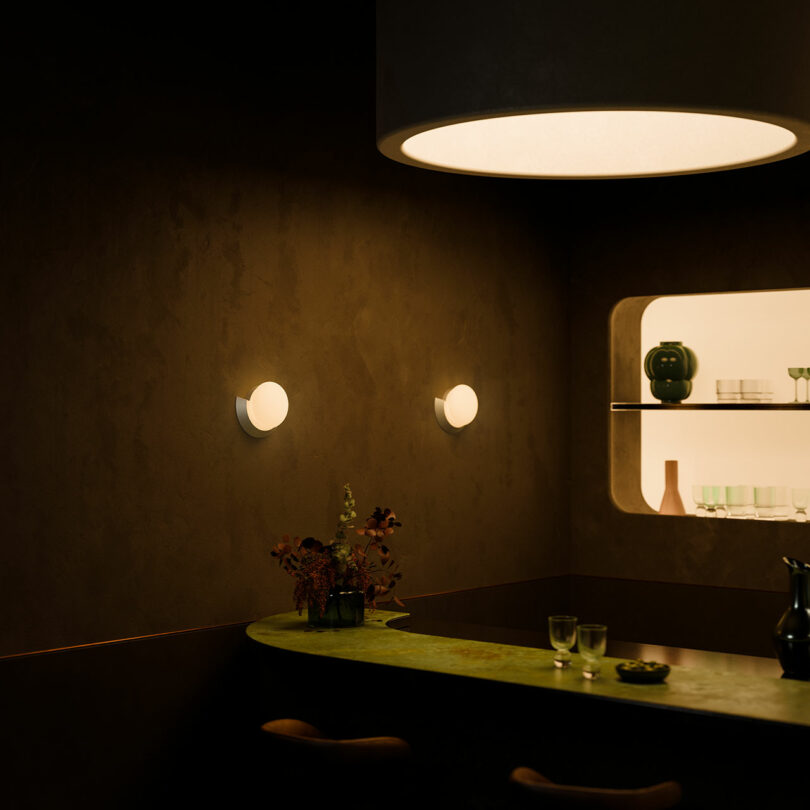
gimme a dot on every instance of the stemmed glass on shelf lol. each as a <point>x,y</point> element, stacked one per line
<point>797,374</point>
<point>700,503</point>
<point>714,499</point>
<point>801,500</point>
<point>709,500</point>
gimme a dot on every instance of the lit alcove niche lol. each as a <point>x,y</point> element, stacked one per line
<point>743,336</point>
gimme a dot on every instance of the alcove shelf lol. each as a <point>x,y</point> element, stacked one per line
<point>736,335</point>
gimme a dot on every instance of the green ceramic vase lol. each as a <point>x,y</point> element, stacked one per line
<point>670,367</point>
<point>344,608</point>
<point>671,392</point>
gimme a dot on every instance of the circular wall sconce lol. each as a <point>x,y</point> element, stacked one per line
<point>456,409</point>
<point>266,408</point>
<point>604,90</point>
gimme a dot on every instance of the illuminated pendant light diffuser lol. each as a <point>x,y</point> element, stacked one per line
<point>592,90</point>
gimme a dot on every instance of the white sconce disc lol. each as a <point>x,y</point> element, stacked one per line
<point>265,409</point>
<point>457,409</point>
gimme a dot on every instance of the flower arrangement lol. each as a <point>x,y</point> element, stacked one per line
<point>321,568</point>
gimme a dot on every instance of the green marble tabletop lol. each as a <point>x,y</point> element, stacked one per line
<point>686,688</point>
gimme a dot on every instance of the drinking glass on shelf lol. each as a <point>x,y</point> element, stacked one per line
<point>740,501</point>
<point>806,375</point>
<point>763,503</point>
<point>562,631</point>
<point>780,500</point>
<point>714,499</point>
<point>771,503</point>
<point>801,499</point>
<point>697,497</point>
<point>796,374</point>
<point>592,643</point>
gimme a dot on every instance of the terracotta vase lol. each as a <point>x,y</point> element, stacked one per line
<point>671,503</point>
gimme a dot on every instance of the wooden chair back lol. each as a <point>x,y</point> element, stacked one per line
<point>534,788</point>
<point>300,738</point>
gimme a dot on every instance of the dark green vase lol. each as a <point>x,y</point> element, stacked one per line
<point>791,637</point>
<point>670,367</point>
<point>344,608</point>
<point>671,392</point>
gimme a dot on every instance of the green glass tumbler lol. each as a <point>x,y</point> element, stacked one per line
<point>344,608</point>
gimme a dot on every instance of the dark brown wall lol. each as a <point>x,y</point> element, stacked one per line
<point>190,212</point>
<point>743,230</point>
<point>177,228</point>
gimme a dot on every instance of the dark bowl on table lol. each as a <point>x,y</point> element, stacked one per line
<point>642,671</point>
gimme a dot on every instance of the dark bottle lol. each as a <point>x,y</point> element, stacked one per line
<point>791,637</point>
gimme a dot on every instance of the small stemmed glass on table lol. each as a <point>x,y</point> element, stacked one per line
<point>562,631</point>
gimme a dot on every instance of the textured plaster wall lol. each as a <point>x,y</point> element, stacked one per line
<point>743,230</point>
<point>174,233</point>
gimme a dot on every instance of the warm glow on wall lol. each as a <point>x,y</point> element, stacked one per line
<point>457,409</point>
<point>264,410</point>
<point>597,143</point>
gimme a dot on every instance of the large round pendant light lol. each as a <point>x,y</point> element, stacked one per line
<point>528,88</point>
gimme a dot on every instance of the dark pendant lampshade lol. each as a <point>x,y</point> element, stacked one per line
<point>594,88</point>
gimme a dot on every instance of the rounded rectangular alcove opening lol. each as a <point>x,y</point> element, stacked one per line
<point>754,440</point>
